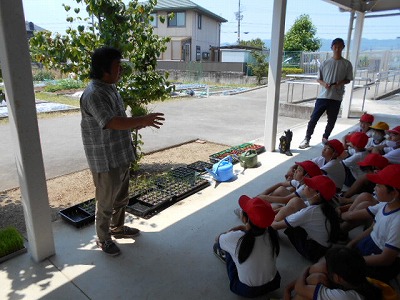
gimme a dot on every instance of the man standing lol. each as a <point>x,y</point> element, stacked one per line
<point>333,74</point>
<point>106,136</point>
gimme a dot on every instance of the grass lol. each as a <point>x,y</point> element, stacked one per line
<point>62,99</point>
<point>10,241</point>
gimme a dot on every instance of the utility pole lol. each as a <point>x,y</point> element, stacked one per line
<point>239,17</point>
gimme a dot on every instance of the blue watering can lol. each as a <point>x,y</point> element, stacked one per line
<point>222,170</point>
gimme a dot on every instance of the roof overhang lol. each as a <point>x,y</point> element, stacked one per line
<point>367,6</point>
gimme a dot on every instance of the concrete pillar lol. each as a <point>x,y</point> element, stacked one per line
<point>274,74</point>
<point>354,61</point>
<point>17,76</point>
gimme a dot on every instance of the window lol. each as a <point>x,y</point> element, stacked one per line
<point>199,21</point>
<point>155,19</point>
<point>198,53</point>
<point>178,19</point>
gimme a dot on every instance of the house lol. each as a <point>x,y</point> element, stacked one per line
<point>30,28</point>
<point>192,28</point>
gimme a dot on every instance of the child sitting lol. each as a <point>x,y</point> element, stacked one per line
<point>380,244</point>
<point>304,169</point>
<point>313,229</point>
<point>357,142</point>
<point>341,275</point>
<point>366,121</point>
<point>391,148</point>
<point>250,251</point>
<point>378,135</point>
<point>330,164</point>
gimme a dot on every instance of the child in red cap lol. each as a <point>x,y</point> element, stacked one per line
<point>250,251</point>
<point>313,229</point>
<point>304,169</point>
<point>364,125</point>
<point>380,244</point>
<point>330,164</point>
<point>391,148</point>
<point>357,142</point>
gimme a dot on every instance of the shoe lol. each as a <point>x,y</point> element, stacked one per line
<point>324,141</point>
<point>109,247</point>
<point>125,233</point>
<point>219,253</point>
<point>304,144</point>
<point>237,212</point>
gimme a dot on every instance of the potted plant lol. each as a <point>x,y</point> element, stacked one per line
<point>11,243</point>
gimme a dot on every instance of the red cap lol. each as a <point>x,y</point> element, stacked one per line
<point>322,184</point>
<point>367,118</point>
<point>395,130</point>
<point>359,139</point>
<point>374,160</point>
<point>259,211</point>
<point>310,167</point>
<point>388,176</point>
<point>380,126</point>
<point>336,145</point>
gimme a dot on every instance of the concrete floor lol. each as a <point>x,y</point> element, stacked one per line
<point>172,258</point>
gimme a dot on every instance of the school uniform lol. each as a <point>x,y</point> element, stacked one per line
<point>385,233</point>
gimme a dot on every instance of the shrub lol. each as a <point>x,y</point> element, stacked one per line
<point>64,84</point>
<point>286,71</point>
<point>43,75</point>
<point>10,241</point>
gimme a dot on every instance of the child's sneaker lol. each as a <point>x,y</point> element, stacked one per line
<point>219,253</point>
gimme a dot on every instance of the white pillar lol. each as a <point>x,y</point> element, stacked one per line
<point>274,74</point>
<point>354,60</point>
<point>17,76</point>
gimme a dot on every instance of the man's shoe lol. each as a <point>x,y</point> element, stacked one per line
<point>219,253</point>
<point>324,141</point>
<point>109,247</point>
<point>304,144</point>
<point>125,233</point>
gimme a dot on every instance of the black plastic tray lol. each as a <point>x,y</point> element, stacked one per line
<point>149,203</point>
<point>81,214</point>
<point>200,166</point>
<point>182,188</point>
<point>182,172</point>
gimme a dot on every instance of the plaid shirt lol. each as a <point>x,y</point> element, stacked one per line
<point>105,148</point>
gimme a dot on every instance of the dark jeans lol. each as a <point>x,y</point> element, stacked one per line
<point>332,108</point>
<point>244,290</point>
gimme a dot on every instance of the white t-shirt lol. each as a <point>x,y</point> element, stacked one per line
<point>386,228</point>
<point>323,293</point>
<point>371,143</point>
<point>393,156</point>
<point>312,220</point>
<point>333,169</point>
<point>260,267</point>
<point>351,163</point>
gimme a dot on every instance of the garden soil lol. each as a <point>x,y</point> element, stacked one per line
<point>71,189</point>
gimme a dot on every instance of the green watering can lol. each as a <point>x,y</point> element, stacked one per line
<point>248,159</point>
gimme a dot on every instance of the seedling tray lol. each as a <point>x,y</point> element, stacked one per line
<point>200,166</point>
<point>182,172</point>
<point>235,152</point>
<point>182,188</point>
<point>149,203</point>
<point>80,214</point>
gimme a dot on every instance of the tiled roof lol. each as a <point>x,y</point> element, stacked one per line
<point>176,5</point>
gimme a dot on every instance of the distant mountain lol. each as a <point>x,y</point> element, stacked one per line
<point>366,44</point>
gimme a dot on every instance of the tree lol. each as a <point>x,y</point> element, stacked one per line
<point>301,36</point>
<point>126,27</point>
<point>260,67</point>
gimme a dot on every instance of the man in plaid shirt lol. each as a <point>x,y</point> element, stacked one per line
<point>106,136</point>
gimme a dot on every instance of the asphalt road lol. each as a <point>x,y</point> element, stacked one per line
<point>230,120</point>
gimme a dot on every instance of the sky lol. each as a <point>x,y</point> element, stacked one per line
<point>256,21</point>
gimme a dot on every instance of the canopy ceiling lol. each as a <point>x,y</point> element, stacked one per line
<point>368,6</point>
